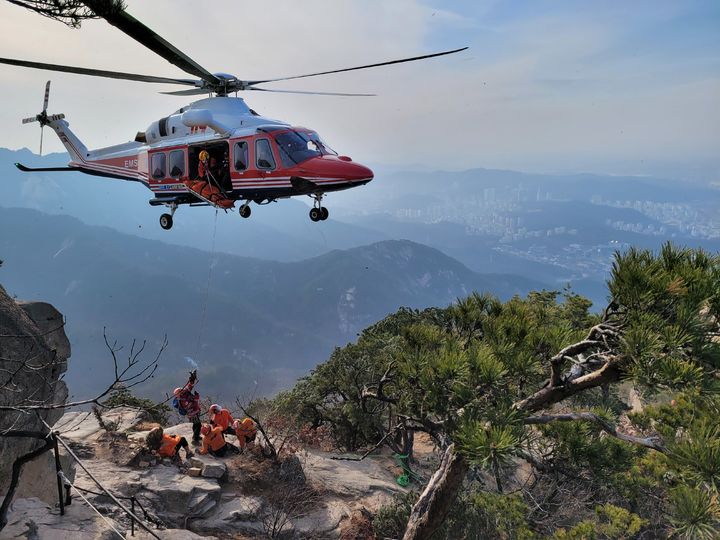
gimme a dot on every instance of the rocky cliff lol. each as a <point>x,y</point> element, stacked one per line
<point>33,356</point>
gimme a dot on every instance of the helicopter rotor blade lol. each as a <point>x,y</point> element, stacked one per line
<point>97,72</point>
<point>47,96</point>
<point>310,93</point>
<point>388,63</point>
<point>188,92</point>
<point>144,35</point>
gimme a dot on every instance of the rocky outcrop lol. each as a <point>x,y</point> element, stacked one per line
<point>304,495</point>
<point>33,355</point>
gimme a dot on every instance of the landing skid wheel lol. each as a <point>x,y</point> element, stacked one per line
<point>318,211</point>
<point>245,211</point>
<point>166,221</point>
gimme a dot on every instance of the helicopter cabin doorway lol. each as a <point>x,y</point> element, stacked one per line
<point>219,163</point>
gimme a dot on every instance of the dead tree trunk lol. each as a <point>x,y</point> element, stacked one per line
<point>439,495</point>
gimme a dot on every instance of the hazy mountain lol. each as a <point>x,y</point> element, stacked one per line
<point>279,231</point>
<point>556,228</point>
<point>241,319</point>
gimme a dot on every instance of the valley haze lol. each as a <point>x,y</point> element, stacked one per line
<point>285,291</point>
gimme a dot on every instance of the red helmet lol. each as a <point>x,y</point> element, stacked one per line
<point>215,408</point>
<point>177,392</point>
<point>205,429</point>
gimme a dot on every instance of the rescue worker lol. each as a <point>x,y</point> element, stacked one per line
<point>187,404</point>
<point>203,184</point>
<point>167,445</point>
<point>213,442</point>
<point>222,418</point>
<point>203,164</point>
<point>245,431</point>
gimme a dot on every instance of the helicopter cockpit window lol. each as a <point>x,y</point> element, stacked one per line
<point>263,155</point>
<point>240,155</point>
<point>158,166</point>
<point>314,141</point>
<point>177,163</point>
<point>294,149</point>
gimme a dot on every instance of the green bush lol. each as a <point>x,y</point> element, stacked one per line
<point>122,397</point>
<point>391,520</point>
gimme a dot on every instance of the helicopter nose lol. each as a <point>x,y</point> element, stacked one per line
<point>356,172</point>
<point>342,167</point>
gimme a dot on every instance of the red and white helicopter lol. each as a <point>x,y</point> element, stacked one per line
<point>247,157</point>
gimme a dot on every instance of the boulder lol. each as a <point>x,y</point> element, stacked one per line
<point>194,471</point>
<point>34,349</point>
<point>291,471</point>
<point>214,470</point>
<point>323,520</point>
<point>241,508</point>
<point>31,518</point>
<point>170,534</point>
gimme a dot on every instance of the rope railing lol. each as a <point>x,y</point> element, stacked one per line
<point>62,479</point>
<point>115,499</point>
<point>132,498</point>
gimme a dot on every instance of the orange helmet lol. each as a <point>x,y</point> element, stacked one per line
<point>177,392</point>
<point>204,155</point>
<point>215,408</point>
<point>205,429</point>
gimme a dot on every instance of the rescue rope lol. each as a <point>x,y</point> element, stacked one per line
<point>207,287</point>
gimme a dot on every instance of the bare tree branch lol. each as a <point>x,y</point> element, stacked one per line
<point>654,443</point>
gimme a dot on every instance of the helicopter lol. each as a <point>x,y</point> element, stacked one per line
<point>213,152</point>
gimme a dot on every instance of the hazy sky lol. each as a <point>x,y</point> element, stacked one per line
<point>614,86</point>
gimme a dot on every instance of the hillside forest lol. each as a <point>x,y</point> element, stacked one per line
<point>550,421</point>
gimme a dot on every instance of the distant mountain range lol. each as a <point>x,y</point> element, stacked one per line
<point>284,290</point>
<point>558,228</point>
<point>241,319</point>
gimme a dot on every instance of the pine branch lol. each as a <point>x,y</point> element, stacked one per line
<point>655,443</point>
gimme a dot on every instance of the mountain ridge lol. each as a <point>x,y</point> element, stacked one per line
<point>262,320</point>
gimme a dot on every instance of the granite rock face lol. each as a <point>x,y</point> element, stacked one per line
<point>33,355</point>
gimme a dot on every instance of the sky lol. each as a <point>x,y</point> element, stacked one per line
<point>547,85</point>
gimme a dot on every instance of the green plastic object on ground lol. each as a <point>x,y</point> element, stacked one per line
<point>404,479</point>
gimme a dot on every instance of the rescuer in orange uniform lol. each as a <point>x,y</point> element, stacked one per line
<point>213,442</point>
<point>245,431</point>
<point>204,187</point>
<point>221,418</point>
<point>167,445</point>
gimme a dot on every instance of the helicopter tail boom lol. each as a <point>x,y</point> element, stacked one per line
<point>77,150</point>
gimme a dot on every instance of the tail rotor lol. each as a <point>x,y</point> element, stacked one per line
<point>43,118</point>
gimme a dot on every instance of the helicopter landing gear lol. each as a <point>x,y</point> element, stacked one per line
<point>318,212</point>
<point>245,210</point>
<point>166,220</point>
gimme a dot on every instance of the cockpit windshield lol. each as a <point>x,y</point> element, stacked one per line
<point>298,146</point>
<point>315,141</point>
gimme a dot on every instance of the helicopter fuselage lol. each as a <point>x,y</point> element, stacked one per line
<point>259,159</point>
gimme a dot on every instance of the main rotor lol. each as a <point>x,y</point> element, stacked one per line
<point>220,84</point>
